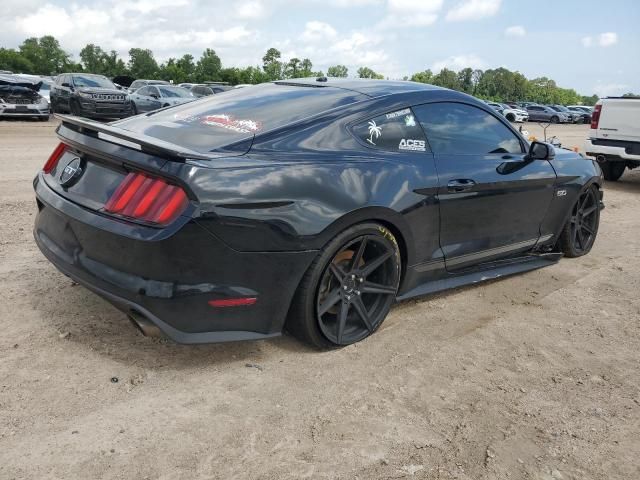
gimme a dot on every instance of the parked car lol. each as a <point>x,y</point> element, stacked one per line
<point>153,97</point>
<point>312,209</point>
<point>542,113</point>
<point>496,106</point>
<point>586,108</point>
<point>136,84</point>
<point>614,137</point>
<point>88,95</point>
<point>20,97</point>
<point>204,90</point>
<point>514,114</point>
<point>574,117</point>
<point>583,112</point>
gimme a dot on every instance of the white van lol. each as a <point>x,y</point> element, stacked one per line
<point>614,138</point>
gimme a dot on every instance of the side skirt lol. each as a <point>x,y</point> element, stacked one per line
<point>487,271</point>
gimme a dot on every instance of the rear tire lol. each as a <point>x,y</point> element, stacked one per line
<point>612,171</point>
<point>580,231</point>
<point>349,288</point>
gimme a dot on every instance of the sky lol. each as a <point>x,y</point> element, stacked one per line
<point>592,46</point>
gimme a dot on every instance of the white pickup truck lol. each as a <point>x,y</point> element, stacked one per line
<point>614,138</point>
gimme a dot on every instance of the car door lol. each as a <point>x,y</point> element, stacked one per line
<point>64,92</point>
<point>534,113</point>
<point>155,99</point>
<point>492,197</point>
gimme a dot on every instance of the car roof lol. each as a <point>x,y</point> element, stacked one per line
<point>371,88</point>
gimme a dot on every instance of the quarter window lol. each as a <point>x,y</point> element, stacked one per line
<point>397,131</point>
<point>456,128</point>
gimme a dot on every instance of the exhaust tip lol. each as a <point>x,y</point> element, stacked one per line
<point>146,326</point>
<point>601,158</point>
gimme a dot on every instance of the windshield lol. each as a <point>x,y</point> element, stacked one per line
<point>45,87</point>
<point>94,81</point>
<point>219,120</point>
<point>174,92</point>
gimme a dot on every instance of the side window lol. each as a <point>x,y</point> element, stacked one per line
<point>397,131</point>
<point>143,91</point>
<point>456,128</point>
<point>153,91</point>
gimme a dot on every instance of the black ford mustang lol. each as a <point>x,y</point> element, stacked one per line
<point>310,205</point>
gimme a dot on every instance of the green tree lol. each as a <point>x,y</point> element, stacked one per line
<point>142,64</point>
<point>422,77</point>
<point>447,79</point>
<point>366,72</point>
<point>187,67</point>
<point>292,69</point>
<point>465,79</point>
<point>46,55</point>
<point>14,61</point>
<point>113,65</point>
<point>306,68</point>
<point>208,67</point>
<point>93,59</point>
<point>271,64</point>
<point>339,71</point>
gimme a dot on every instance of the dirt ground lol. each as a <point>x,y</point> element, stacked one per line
<point>535,376</point>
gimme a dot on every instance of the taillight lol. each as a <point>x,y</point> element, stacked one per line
<point>595,116</point>
<point>54,158</point>
<point>146,198</point>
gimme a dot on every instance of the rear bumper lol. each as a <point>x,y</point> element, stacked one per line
<point>614,152</point>
<point>169,281</point>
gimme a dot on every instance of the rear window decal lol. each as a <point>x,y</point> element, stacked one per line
<point>228,122</point>
<point>398,113</point>
<point>411,144</point>
<point>374,132</point>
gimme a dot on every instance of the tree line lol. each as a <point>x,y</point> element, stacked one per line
<point>45,56</point>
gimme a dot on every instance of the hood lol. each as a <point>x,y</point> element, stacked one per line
<point>17,81</point>
<point>11,93</point>
<point>110,91</point>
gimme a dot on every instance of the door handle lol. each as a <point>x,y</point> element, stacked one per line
<point>460,185</point>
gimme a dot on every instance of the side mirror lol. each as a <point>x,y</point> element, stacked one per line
<point>541,151</point>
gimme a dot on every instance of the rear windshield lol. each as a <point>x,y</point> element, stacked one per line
<point>219,120</point>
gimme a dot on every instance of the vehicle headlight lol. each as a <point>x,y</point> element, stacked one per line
<point>85,95</point>
<point>42,101</point>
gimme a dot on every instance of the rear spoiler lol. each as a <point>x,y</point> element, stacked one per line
<point>136,141</point>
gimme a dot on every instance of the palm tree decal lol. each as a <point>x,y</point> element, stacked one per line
<point>374,132</point>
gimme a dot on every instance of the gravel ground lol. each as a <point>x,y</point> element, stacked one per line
<point>535,376</point>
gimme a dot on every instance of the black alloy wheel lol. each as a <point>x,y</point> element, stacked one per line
<point>581,229</point>
<point>348,291</point>
<point>555,119</point>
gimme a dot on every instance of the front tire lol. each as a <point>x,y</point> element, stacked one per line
<point>612,171</point>
<point>511,117</point>
<point>348,290</point>
<point>555,119</point>
<point>581,229</point>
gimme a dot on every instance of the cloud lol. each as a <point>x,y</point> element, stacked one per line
<point>473,10</point>
<point>606,39</point>
<point>458,62</point>
<point>353,3</point>
<point>515,31</point>
<point>411,13</point>
<point>610,89</point>
<point>250,10</point>
<point>317,31</point>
